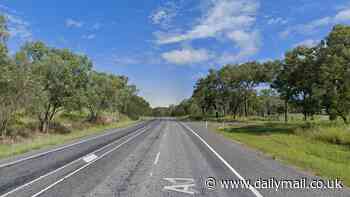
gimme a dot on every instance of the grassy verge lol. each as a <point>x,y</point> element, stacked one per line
<point>323,149</point>
<point>40,140</point>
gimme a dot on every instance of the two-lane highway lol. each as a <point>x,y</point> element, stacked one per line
<point>160,158</point>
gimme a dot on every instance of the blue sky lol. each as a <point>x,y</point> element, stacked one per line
<point>164,46</point>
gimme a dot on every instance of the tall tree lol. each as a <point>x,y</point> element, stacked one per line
<point>335,65</point>
<point>59,75</point>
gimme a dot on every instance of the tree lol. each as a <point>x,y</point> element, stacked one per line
<point>335,66</point>
<point>7,107</point>
<point>269,102</point>
<point>13,82</point>
<point>58,74</point>
<point>206,93</point>
<point>99,95</point>
<point>304,77</point>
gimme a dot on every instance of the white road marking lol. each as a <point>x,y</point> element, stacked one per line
<point>90,158</point>
<point>251,188</point>
<point>151,174</point>
<point>86,165</point>
<point>58,169</point>
<point>157,158</point>
<point>183,185</point>
<point>55,150</point>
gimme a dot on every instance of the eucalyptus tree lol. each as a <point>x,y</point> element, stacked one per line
<point>7,88</point>
<point>59,75</point>
<point>335,67</point>
<point>206,92</point>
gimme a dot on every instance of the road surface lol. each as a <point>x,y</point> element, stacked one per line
<point>156,158</point>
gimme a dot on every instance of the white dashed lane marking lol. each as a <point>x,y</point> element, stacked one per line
<point>90,158</point>
<point>157,158</point>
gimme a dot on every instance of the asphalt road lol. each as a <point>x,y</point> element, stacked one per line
<point>157,158</point>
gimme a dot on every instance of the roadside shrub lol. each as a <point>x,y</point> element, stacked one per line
<point>196,118</point>
<point>339,135</point>
<point>56,127</point>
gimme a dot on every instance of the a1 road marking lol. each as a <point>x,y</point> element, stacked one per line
<point>183,185</point>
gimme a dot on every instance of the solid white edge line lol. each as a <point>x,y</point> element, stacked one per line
<point>57,149</point>
<point>62,167</point>
<point>86,165</point>
<point>251,188</point>
<point>157,158</point>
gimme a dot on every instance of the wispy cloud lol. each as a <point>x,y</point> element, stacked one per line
<point>222,18</point>
<point>307,43</point>
<point>233,20</point>
<point>186,56</point>
<point>342,16</point>
<point>277,21</point>
<point>73,23</point>
<point>248,43</point>
<point>198,75</point>
<point>89,36</point>
<point>164,15</point>
<point>18,27</point>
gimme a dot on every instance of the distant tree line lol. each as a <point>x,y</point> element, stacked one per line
<point>42,81</point>
<point>309,80</point>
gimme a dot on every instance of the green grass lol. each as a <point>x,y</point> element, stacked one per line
<point>322,148</point>
<point>38,141</point>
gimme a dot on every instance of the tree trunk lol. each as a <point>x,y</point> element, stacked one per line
<point>43,126</point>
<point>286,111</point>
<point>245,107</point>
<point>345,119</point>
<point>3,128</point>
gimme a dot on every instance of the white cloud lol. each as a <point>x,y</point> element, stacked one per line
<point>308,28</point>
<point>247,42</point>
<point>198,76</point>
<point>278,20</point>
<point>164,15</point>
<point>224,16</point>
<point>89,36</point>
<point>307,43</point>
<point>232,20</point>
<point>18,27</point>
<point>342,16</point>
<point>158,16</point>
<point>74,23</point>
<point>186,56</point>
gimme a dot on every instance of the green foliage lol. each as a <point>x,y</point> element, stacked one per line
<point>232,90</point>
<point>102,93</point>
<point>58,76</point>
<point>310,81</point>
<point>44,81</point>
<point>335,66</point>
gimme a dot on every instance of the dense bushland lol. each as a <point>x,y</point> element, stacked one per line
<point>39,83</point>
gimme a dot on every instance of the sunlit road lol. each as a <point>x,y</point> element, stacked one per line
<point>157,158</point>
